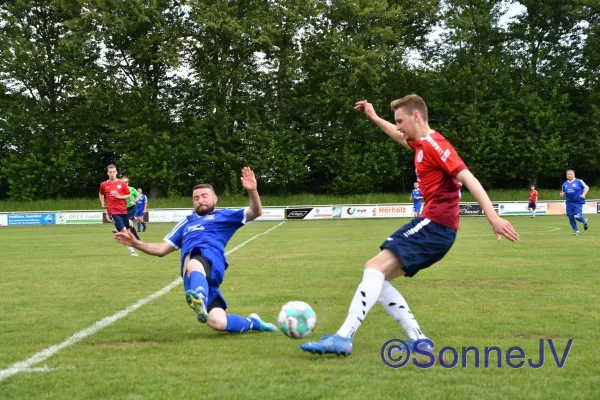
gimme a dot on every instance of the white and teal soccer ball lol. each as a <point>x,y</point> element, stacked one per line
<point>296,319</point>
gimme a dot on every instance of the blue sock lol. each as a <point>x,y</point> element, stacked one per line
<point>573,223</point>
<point>237,324</point>
<point>139,226</point>
<point>199,284</point>
<point>580,219</point>
<point>144,225</point>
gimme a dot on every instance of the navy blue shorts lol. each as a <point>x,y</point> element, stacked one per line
<point>531,205</point>
<point>121,221</point>
<point>131,212</point>
<point>139,212</point>
<point>420,244</point>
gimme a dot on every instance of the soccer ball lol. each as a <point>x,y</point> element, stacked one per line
<point>296,319</point>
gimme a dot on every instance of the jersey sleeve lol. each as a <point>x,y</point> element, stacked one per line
<point>445,156</point>
<point>101,191</point>
<point>235,216</point>
<point>411,144</point>
<point>582,183</point>
<point>175,237</point>
<point>134,192</point>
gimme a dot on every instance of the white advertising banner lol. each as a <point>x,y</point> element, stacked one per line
<point>320,213</point>
<point>165,215</point>
<point>560,208</point>
<point>520,209</point>
<point>395,211</point>
<point>358,211</point>
<point>272,214</point>
<point>3,219</point>
<point>79,218</point>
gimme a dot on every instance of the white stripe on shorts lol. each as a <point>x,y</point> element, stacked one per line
<point>416,228</point>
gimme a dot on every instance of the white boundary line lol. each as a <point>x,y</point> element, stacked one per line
<point>23,366</point>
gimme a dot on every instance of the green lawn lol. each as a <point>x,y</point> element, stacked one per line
<point>58,280</point>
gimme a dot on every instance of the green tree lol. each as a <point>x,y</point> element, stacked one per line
<point>46,57</point>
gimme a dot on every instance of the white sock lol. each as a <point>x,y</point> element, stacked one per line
<point>365,297</point>
<point>396,306</point>
<point>131,250</point>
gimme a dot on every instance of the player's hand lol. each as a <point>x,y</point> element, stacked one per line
<point>124,238</point>
<point>367,107</point>
<point>562,194</point>
<point>103,205</point>
<point>504,228</point>
<point>248,179</point>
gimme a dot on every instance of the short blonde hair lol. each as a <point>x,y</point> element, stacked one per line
<point>411,103</point>
<point>111,166</point>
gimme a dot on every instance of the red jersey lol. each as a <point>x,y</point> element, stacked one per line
<point>437,164</point>
<point>533,196</point>
<point>109,189</point>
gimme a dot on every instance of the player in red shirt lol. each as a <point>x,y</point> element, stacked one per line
<point>426,239</point>
<point>116,193</point>
<point>533,196</point>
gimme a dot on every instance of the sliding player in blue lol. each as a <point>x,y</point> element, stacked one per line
<point>575,191</point>
<point>202,238</point>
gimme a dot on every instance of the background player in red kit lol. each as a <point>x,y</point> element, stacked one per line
<point>426,239</point>
<point>116,193</point>
<point>533,196</point>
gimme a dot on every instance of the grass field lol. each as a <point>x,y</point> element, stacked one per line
<point>59,280</point>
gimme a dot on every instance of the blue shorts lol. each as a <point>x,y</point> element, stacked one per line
<point>131,212</point>
<point>139,212</point>
<point>217,273</point>
<point>121,221</point>
<point>574,208</point>
<point>417,207</point>
<point>420,244</point>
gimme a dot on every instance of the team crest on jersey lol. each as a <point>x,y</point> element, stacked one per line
<point>420,156</point>
<point>118,186</point>
<point>210,217</point>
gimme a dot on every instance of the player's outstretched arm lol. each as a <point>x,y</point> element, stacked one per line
<point>249,183</point>
<point>385,126</point>
<point>101,197</point>
<point>153,249</point>
<point>500,226</point>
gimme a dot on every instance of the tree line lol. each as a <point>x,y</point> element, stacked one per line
<point>177,92</point>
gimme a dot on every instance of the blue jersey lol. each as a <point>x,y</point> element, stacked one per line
<point>416,193</point>
<point>210,232</point>
<point>573,190</point>
<point>141,204</point>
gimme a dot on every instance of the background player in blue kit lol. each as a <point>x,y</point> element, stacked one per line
<point>140,210</point>
<point>575,191</point>
<point>202,238</point>
<point>416,197</point>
